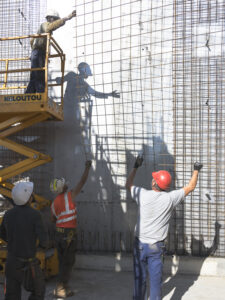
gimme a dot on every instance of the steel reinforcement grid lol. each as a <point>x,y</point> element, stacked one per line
<point>166,58</point>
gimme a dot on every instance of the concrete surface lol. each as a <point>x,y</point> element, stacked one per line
<point>110,277</point>
<point>108,285</point>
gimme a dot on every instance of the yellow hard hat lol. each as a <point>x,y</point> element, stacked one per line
<point>57,185</point>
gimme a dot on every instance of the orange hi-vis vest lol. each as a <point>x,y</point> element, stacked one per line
<point>65,211</point>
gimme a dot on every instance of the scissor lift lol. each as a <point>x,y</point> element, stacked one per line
<point>19,110</point>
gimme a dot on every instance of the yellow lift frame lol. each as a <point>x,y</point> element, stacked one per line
<point>19,111</point>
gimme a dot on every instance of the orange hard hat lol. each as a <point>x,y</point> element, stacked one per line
<point>163,179</point>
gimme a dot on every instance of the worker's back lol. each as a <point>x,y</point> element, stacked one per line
<point>155,210</point>
<point>21,227</point>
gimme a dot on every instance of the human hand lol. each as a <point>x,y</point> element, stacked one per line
<point>138,162</point>
<point>88,163</point>
<point>72,15</point>
<point>198,166</point>
<point>58,80</point>
<point>115,94</point>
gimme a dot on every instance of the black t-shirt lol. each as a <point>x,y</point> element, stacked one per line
<point>21,227</point>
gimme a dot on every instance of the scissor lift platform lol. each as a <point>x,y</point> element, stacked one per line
<point>13,105</point>
<point>20,110</point>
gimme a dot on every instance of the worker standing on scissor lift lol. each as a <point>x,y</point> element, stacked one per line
<point>21,227</point>
<point>38,45</point>
<point>154,213</point>
<point>64,214</point>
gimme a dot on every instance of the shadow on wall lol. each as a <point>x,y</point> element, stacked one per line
<point>78,100</point>
<point>95,209</point>
<point>180,289</point>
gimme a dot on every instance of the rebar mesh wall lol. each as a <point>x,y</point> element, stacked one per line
<point>198,74</point>
<point>128,46</point>
<point>166,59</point>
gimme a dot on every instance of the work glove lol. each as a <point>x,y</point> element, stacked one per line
<point>198,166</point>
<point>88,163</point>
<point>138,162</point>
<point>72,15</point>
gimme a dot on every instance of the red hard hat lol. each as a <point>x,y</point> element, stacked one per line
<point>163,179</point>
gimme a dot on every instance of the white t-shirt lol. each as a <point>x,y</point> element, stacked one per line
<point>155,210</point>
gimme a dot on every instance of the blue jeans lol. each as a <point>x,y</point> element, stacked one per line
<point>148,258</point>
<point>37,78</point>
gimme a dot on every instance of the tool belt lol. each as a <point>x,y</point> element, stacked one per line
<point>26,259</point>
<point>60,229</point>
<point>65,230</point>
<point>68,234</point>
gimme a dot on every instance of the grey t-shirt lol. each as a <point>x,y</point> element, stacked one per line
<point>155,210</point>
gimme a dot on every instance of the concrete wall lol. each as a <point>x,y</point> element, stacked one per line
<point>114,41</point>
<point>150,75</point>
<point>144,51</point>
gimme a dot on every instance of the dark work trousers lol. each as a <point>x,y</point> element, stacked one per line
<point>37,78</point>
<point>66,244</point>
<point>14,273</point>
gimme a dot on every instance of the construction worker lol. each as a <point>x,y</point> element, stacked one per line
<point>154,213</point>
<point>38,45</point>
<point>64,214</point>
<point>21,227</point>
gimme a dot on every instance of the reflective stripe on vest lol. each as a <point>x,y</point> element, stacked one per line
<point>66,219</point>
<point>68,211</point>
<point>65,213</point>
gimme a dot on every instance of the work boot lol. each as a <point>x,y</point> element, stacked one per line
<point>69,292</point>
<point>61,291</point>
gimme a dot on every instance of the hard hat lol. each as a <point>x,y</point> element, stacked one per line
<point>21,192</point>
<point>84,69</point>
<point>163,179</point>
<point>52,13</point>
<point>57,185</point>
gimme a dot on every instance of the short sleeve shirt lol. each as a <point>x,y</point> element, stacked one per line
<point>154,212</point>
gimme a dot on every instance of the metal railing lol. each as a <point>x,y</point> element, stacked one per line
<point>14,70</point>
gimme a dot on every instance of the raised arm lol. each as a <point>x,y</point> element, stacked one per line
<point>77,189</point>
<point>49,27</point>
<point>132,174</point>
<point>70,16</point>
<point>193,182</point>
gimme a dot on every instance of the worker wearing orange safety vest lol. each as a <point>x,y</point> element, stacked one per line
<point>64,214</point>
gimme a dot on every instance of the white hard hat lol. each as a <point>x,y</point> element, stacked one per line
<point>53,13</point>
<point>21,192</point>
<point>57,185</point>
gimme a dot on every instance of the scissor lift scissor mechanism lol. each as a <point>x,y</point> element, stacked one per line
<point>19,110</point>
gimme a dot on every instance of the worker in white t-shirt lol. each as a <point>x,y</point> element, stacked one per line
<point>155,209</point>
